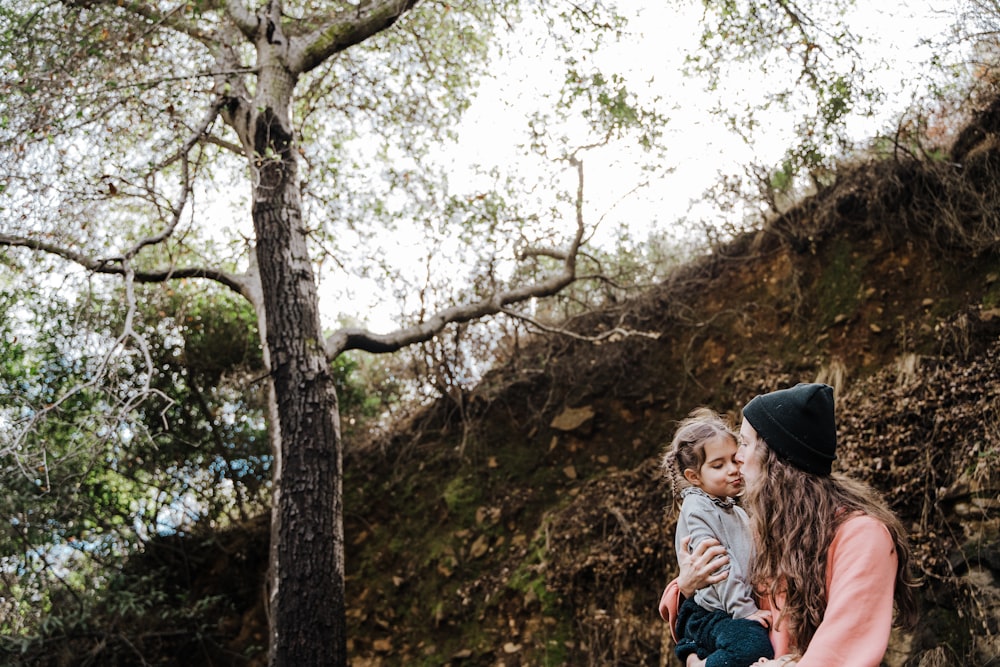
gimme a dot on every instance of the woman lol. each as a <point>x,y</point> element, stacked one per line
<point>832,559</point>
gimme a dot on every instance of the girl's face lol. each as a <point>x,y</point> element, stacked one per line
<point>748,455</point>
<point>719,475</point>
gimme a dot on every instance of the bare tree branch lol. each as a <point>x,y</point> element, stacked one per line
<point>232,87</point>
<point>236,282</point>
<point>554,253</point>
<point>242,17</point>
<point>611,335</point>
<point>222,143</point>
<point>352,338</point>
<point>173,18</point>
<point>345,29</point>
<point>119,347</point>
<point>196,135</point>
<point>150,83</point>
<point>122,265</point>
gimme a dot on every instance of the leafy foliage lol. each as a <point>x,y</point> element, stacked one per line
<point>811,72</point>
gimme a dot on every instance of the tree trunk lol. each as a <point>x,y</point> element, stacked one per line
<point>307,618</point>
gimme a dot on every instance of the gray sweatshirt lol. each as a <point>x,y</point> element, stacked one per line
<point>704,516</point>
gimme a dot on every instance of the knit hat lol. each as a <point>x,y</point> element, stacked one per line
<point>798,424</point>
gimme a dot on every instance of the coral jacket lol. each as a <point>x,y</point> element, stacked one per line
<point>860,581</point>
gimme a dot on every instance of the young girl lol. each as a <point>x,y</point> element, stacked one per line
<point>721,625</point>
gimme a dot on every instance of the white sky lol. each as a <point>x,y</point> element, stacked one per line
<point>700,146</point>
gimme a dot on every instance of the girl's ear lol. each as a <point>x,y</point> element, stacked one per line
<point>692,477</point>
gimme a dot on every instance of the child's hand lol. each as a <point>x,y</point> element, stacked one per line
<point>762,616</point>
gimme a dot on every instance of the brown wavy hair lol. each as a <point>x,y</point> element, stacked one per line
<point>790,514</point>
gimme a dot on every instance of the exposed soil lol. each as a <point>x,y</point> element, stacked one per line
<point>549,546</point>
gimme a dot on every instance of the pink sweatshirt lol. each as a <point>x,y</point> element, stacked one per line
<point>860,580</point>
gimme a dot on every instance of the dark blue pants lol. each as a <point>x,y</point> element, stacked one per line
<point>720,639</point>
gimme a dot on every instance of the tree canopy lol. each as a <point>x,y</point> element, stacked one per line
<point>127,126</point>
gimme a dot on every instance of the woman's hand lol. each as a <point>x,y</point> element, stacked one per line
<point>700,568</point>
<point>762,616</point>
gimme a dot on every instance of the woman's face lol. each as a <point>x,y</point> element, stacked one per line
<point>747,455</point>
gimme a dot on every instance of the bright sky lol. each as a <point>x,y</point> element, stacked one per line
<point>701,148</point>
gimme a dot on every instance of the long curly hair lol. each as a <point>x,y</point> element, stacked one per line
<point>790,514</point>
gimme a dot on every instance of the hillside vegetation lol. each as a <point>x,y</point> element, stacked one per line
<point>528,523</point>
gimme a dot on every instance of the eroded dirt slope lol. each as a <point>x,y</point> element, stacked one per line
<point>549,540</point>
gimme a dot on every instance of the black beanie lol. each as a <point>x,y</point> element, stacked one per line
<point>798,424</point>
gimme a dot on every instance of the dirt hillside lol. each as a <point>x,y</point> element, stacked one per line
<point>548,540</point>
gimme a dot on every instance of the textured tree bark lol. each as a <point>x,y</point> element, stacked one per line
<point>308,624</point>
